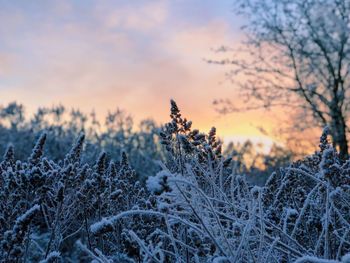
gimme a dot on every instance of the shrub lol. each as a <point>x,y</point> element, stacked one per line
<point>195,209</point>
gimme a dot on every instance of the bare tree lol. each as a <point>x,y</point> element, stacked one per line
<point>298,56</point>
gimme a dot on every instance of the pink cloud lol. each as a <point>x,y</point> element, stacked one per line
<point>101,64</point>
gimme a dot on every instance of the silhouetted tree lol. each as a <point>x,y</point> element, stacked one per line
<point>299,57</point>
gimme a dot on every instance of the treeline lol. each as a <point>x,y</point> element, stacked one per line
<point>114,134</point>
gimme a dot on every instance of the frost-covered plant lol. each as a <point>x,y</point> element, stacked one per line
<point>317,190</point>
<point>12,244</point>
<point>115,135</point>
<point>197,208</point>
<point>46,206</point>
<point>211,214</point>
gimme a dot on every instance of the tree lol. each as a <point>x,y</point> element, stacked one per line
<point>299,57</point>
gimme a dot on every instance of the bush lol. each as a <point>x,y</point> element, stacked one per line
<point>195,209</point>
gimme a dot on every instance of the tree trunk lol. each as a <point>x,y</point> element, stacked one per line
<point>343,144</point>
<point>339,134</point>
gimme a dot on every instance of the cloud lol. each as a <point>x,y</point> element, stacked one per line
<point>105,55</point>
<point>140,16</point>
<point>197,41</point>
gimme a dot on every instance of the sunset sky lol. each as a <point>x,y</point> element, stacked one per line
<point>134,55</point>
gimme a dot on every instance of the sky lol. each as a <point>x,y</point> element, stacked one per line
<point>133,55</point>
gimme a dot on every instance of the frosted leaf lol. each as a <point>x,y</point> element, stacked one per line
<point>158,183</point>
<point>102,226</point>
